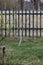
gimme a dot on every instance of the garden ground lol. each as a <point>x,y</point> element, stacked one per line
<point>29,53</point>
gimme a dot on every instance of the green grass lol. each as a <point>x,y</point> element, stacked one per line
<point>29,53</point>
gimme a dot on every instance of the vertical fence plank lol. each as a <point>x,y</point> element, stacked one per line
<point>18,24</point>
<point>29,23</point>
<point>40,23</point>
<point>9,22</point>
<point>36,23</point>
<point>25,23</point>
<point>1,22</point>
<point>13,21</point>
<point>22,23</point>
<point>33,23</point>
<point>5,23</point>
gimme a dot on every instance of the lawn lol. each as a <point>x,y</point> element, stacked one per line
<point>29,53</point>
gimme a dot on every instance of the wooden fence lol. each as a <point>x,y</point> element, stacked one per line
<point>24,23</point>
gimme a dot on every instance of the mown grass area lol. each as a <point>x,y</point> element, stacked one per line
<point>29,53</point>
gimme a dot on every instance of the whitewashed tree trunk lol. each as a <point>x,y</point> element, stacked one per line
<point>20,40</point>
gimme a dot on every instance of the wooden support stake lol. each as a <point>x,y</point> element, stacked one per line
<point>3,51</point>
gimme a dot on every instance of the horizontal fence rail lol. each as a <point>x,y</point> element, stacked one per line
<point>21,23</point>
<point>20,12</point>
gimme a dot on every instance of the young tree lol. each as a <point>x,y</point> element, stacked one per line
<point>21,4</point>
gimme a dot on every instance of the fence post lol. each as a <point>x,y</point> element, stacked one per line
<point>3,55</point>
